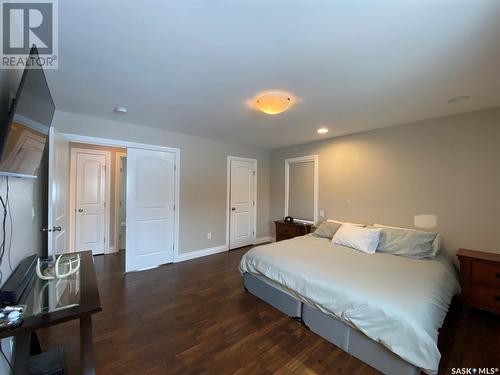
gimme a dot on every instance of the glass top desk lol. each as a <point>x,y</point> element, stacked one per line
<point>50,302</point>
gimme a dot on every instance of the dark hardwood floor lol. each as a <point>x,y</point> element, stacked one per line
<point>195,317</point>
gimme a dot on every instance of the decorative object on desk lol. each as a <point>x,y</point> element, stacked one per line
<point>49,270</point>
<point>289,220</point>
<point>11,316</point>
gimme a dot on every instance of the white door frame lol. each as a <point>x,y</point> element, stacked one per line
<point>72,197</point>
<point>228,199</point>
<point>118,184</point>
<point>50,224</point>
<point>51,176</point>
<point>126,144</point>
<point>303,159</point>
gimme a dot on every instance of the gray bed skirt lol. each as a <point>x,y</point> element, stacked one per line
<point>332,329</point>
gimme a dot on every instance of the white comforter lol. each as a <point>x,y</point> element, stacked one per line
<point>396,301</point>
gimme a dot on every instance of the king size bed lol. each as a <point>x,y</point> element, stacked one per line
<point>384,309</point>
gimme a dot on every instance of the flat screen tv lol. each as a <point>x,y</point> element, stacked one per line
<point>24,135</point>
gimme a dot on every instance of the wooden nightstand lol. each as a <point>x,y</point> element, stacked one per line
<point>284,231</point>
<point>480,276</point>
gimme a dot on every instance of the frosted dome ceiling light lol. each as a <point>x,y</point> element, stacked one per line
<point>323,130</point>
<point>274,102</point>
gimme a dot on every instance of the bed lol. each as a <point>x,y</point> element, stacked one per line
<point>384,309</point>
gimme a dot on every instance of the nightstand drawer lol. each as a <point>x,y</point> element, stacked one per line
<point>485,273</point>
<point>486,297</point>
<point>480,274</point>
<point>287,230</point>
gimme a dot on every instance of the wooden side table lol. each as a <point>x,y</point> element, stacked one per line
<point>480,277</point>
<point>285,231</point>
<point>34,319</point>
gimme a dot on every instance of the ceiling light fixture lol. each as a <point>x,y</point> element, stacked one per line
<point>120,110</point>
<point>457,99</point>
<point>323,130</point>
<point>273,102</point>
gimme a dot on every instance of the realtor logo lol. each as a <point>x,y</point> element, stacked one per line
<point>25,24</point>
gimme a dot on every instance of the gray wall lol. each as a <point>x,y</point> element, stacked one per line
<point>26,202</point>
<point>203,181</point>
<point>448,167</point>
<point>26,196</point>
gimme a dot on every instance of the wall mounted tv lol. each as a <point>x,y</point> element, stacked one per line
<point>24,135</point>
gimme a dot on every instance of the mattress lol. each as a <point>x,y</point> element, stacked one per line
<point>396,301</point>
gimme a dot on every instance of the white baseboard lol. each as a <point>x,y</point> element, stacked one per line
<point>111,250</point>
<point>260,240</point>
<point>215,250</point>
<point>200,253</point>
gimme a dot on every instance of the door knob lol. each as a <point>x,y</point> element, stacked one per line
<point>80,210</point>
<point>56,229</point>
<point>233,208</point>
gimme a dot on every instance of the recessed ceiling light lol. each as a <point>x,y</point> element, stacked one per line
<point>273,102</point>
<point>120,110</point>
<point>462,98</point>
<point>323,130</point>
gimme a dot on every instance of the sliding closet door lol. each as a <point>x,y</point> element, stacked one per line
<point>150,208</point>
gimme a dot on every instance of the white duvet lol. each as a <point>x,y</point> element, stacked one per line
<point>396,301</point>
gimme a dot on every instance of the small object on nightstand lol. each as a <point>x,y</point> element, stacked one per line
<point>480,277</point>
<point>285,231</point>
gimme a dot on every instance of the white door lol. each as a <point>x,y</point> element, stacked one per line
<point>242,203</point>
<point>150,219</point>
<point>58,193</point>
<point>90,201</point>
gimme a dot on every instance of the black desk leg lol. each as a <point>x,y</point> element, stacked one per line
<point>35,347</point>
<point>86,345</point>
<point>21,353</point>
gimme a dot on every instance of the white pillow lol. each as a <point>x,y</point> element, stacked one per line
<point>359,238</point>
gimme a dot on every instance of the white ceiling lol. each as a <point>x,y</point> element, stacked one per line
<point>191,66</point>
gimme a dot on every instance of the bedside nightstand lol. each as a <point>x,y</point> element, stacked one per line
<point>285,231</point>
<point>480,276</point>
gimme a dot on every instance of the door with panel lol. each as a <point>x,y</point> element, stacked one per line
<point>242,203</point>
<point>90,200</point>
<point>150,209</point>
<point>58,193</point>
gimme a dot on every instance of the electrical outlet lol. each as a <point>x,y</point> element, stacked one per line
<point>209,235</point>
<point>322,213</point>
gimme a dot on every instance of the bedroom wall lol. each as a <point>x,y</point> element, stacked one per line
<point>448,167</point>
<point>27,198</point>
<point>203,177</point>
